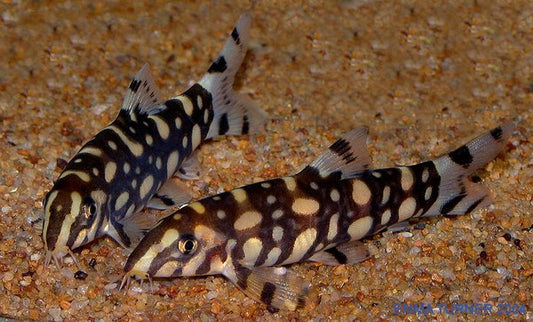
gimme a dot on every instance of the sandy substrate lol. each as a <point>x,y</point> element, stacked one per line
<point>423,77</point>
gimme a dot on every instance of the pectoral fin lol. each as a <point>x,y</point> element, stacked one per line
<point>172,193</point>
<point>351,252</point>
<point>277,287</point>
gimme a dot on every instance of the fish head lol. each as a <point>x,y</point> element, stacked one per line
<point>71,219</point>
<point>183,244</point>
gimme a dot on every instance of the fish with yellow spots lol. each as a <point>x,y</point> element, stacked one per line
<point>248,234</point>
<point>129,165</point>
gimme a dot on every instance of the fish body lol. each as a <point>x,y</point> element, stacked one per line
<point>130,164</point>
<point>320,214</point>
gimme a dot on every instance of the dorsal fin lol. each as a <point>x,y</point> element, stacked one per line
<point>142,95</point>
<point>347,155</point>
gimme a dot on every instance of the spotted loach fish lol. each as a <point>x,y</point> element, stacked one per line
<point>130,164</point>
<point>248,234</point>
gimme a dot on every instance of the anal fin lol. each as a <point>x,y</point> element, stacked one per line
<point>277,287</point>
<point>351,252</point>
<point>172,193</point>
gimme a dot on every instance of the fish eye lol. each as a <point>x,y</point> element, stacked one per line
<point>89,207</point>
<point>187,244</point>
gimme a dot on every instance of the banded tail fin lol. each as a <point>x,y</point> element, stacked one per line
<point>457,193</point>
<point>234,114</point>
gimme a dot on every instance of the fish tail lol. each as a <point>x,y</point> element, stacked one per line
<point>234,114</point>
<point>458,194</point>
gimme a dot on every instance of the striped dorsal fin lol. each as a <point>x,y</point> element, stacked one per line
<point>348,155</point>
<point>142,96</point>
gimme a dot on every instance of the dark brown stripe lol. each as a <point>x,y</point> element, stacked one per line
<point>134,85</point>
<point>219,66</point>
<point>223,125</point>
<point>268,293</point>
<point>205,267</point>
<point>235,36</point>
<point>419,188</point>
<point>166,200</point>
<point>339,256</point>
<point>450,204</point>
<point>342,147</point>
<point>474,205</point>
<point>245,125</point>
<point>496,133</point>
<point>462,156</point>
<point>301,299</point>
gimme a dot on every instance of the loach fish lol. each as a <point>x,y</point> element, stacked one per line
<point>129,165</point>
<point>319,214</point>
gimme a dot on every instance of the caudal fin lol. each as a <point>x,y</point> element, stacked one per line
<point>234,114</point>
<point>457,193</point>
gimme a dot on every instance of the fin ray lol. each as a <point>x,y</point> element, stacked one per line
<point>142,94</point>
<point>399,227</point>
<point>133,228</point>
<point>457,193</point>
<point>348,155</point>
<point>351,252</point>
<point>234,114</point>
<point>277,287</point>
<point>190,169</point>
<point>172,193</point>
